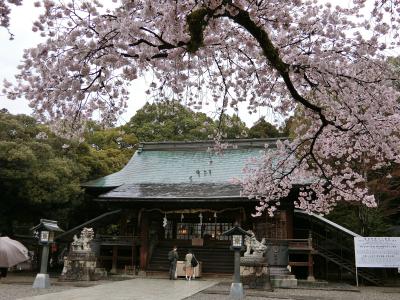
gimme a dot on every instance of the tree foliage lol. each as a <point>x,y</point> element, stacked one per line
<point>172,121</point>
<point>362,220</point>
<point>169,121</point>
<point>264,129</point>
<point>40,173</point>
<point>5,10</point>
<point>280,54</point>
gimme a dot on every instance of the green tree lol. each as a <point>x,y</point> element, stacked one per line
<point>109,149</point>
<point>35,173</point>
<point>40,173</point>
<point>263,129</point>
<point>169,121</point>
<point>362,220</point>
<point>231,127</point>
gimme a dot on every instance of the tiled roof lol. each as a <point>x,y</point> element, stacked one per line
<point>165,192</point>
<point>183,163</point>
<point>181,171</point>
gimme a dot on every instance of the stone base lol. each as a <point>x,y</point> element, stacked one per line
<point>81,266</point>
<point>99,274</point>
<point>255,277</point>
<point>313,284</point>
<point>311,278</point>
<point>278,270</point>
<point>42,281</point>
<point>237,292</point>
<point>284,281</point>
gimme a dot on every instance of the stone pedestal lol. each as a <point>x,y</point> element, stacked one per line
<point>81,266</point>
<point>282,278</point>
<point>42,281</point>
<point>236,292</point>
<point>311,278</point>
<point>278,260</point>
<point>284,281</point>
<point>254,273</point>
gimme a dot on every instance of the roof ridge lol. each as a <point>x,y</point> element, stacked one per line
<point>204,144</point>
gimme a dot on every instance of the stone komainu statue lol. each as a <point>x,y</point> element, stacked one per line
<point>254,247</point>
<point>81,262</point>
<point>253,265</point>
<point>83,242</point>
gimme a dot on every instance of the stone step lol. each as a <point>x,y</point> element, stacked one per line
<point>213,260</point>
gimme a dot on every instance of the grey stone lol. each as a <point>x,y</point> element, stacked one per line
<point>237,292</point>
<point>81,262</point>
<point>42,281</point>
<point>284,281</point>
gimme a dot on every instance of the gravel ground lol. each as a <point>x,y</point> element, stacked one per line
<point>16,287</point>
<point>221,291</point>
<point>20,288</point>
<point>16,291</point>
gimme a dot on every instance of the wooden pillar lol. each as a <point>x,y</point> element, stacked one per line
<point>144,241</point>
<point>132,230</point>
<point>114,260</point>
<point>133,253</point>
<point>238,218</point>
<point>310,276</point>
<point>289,222</point>
<point>123,226</point>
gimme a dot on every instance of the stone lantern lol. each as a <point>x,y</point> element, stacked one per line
<point>45,233</point>
<point>237,233</point>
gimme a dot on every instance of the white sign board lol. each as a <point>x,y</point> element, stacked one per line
<point>377,252</point>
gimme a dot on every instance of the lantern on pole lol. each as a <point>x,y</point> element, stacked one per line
<point>45,233</point>
<point>237,235</point>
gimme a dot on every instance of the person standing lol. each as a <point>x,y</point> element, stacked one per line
<point>188,265</point>
<point>3,272</point>
<point>173,258</point>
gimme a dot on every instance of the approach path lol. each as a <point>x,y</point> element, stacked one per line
<point>135,289</point>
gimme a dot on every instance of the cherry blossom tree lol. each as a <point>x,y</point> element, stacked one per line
<point>326,61</point>
<point>5,11</point>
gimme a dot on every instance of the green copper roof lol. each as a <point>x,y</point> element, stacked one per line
<point>183,162</point>
<point>168,192</point>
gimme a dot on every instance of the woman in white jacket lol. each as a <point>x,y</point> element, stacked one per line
<point>188,265</point>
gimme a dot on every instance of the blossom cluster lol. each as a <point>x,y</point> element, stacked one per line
<point>5,11</point>
<point>286,55</point>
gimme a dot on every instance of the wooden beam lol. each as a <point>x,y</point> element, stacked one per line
<point>114,260</point>
<point>144,241</point>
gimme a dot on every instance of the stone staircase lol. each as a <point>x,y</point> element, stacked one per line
<point>335,243</point>
<point>326,248</point>
<point>348,265</point>
<point>214,260</point>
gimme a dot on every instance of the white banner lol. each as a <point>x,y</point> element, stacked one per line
<point>377,252</point>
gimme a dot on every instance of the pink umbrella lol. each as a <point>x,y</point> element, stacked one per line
<point>12,252</point>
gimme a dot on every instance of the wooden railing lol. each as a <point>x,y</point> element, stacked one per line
<point>295,244</point>
<point>117,240</point>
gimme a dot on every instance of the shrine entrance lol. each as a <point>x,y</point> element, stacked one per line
<point>196,229</point>
<point>193,224</point>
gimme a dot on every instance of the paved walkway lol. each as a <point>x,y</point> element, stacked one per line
<point>135,289</point>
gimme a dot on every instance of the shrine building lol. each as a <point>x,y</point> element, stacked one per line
<point>178,193</point>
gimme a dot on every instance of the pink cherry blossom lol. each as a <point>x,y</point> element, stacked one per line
<point>328,63</point>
